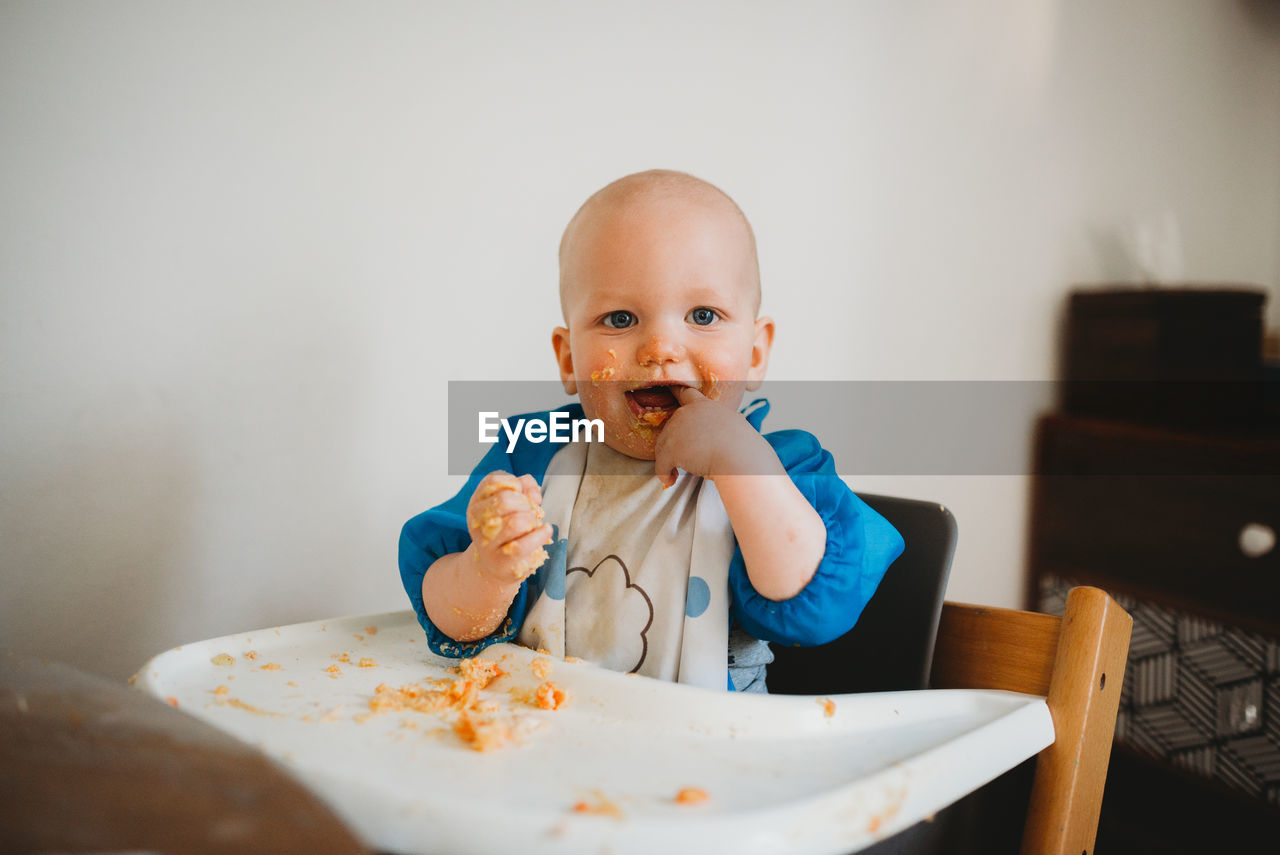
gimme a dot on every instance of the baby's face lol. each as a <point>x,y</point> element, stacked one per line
<point>659,292</point>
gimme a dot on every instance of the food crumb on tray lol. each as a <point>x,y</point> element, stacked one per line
<point>692,796</point>
<point>476,720</point>
<point>828,706</point>
<point>599,805</point>
<point>249,708</point>
<point>550,696</point>
<point>481,733</point>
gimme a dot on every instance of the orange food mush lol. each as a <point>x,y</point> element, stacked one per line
<point>550,696</point>
<point>692,796</point>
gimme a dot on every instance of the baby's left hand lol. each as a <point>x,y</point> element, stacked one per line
<point>707,438</point>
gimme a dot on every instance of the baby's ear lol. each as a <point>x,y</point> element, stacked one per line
<point>760,353</point>
<point>564,359</point>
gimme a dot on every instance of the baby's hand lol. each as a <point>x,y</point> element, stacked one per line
<point>708,438</point>
<point>504,518</point>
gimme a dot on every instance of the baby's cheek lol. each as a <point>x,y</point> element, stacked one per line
<point>720,383</point>
<point>592,397</point>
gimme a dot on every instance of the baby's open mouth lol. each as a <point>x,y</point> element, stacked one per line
<point>652,404</point>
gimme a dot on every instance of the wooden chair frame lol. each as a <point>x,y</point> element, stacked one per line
<point>1078,662</point>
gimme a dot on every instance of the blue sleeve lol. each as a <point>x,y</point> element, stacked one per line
<point>861,545</point>
<point>443,530</point>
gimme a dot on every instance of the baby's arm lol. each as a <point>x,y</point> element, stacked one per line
<point>781,536</point>
<point>467,594</point>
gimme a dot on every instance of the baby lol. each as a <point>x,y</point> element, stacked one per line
<point>687,539</point>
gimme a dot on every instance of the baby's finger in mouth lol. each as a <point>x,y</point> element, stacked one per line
<point>687,394</point>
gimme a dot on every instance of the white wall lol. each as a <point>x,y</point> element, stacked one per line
<point>244,246</point>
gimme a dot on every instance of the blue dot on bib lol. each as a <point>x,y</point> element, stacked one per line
<point>555,566</point>
<point>698,598</point>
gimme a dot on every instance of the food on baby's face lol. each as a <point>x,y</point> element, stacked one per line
<point>712,389</point>
<point>652,401</point>
<point>602,375</point>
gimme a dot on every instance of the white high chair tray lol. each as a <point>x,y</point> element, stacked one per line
<point>783,773</point>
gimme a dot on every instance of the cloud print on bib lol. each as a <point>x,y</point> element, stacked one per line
<point>607,617</point>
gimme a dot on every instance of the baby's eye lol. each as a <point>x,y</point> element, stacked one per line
<point>619,320</point>
<point>703,317</point>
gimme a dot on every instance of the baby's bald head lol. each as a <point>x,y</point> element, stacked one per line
<point>638,195</point>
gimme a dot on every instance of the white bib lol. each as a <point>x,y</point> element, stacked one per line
<point>638,577</point>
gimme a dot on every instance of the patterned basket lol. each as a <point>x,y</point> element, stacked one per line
<point>1197,694</point>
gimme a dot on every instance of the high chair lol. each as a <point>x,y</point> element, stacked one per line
<point>908,638</point>
<point>1078,662</point>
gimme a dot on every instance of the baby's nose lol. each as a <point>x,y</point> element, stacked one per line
<point>659,349</point>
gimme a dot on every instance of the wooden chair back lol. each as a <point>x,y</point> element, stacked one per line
<point>1078,662</point>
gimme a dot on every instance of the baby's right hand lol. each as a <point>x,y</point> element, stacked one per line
<point>504,518</point>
